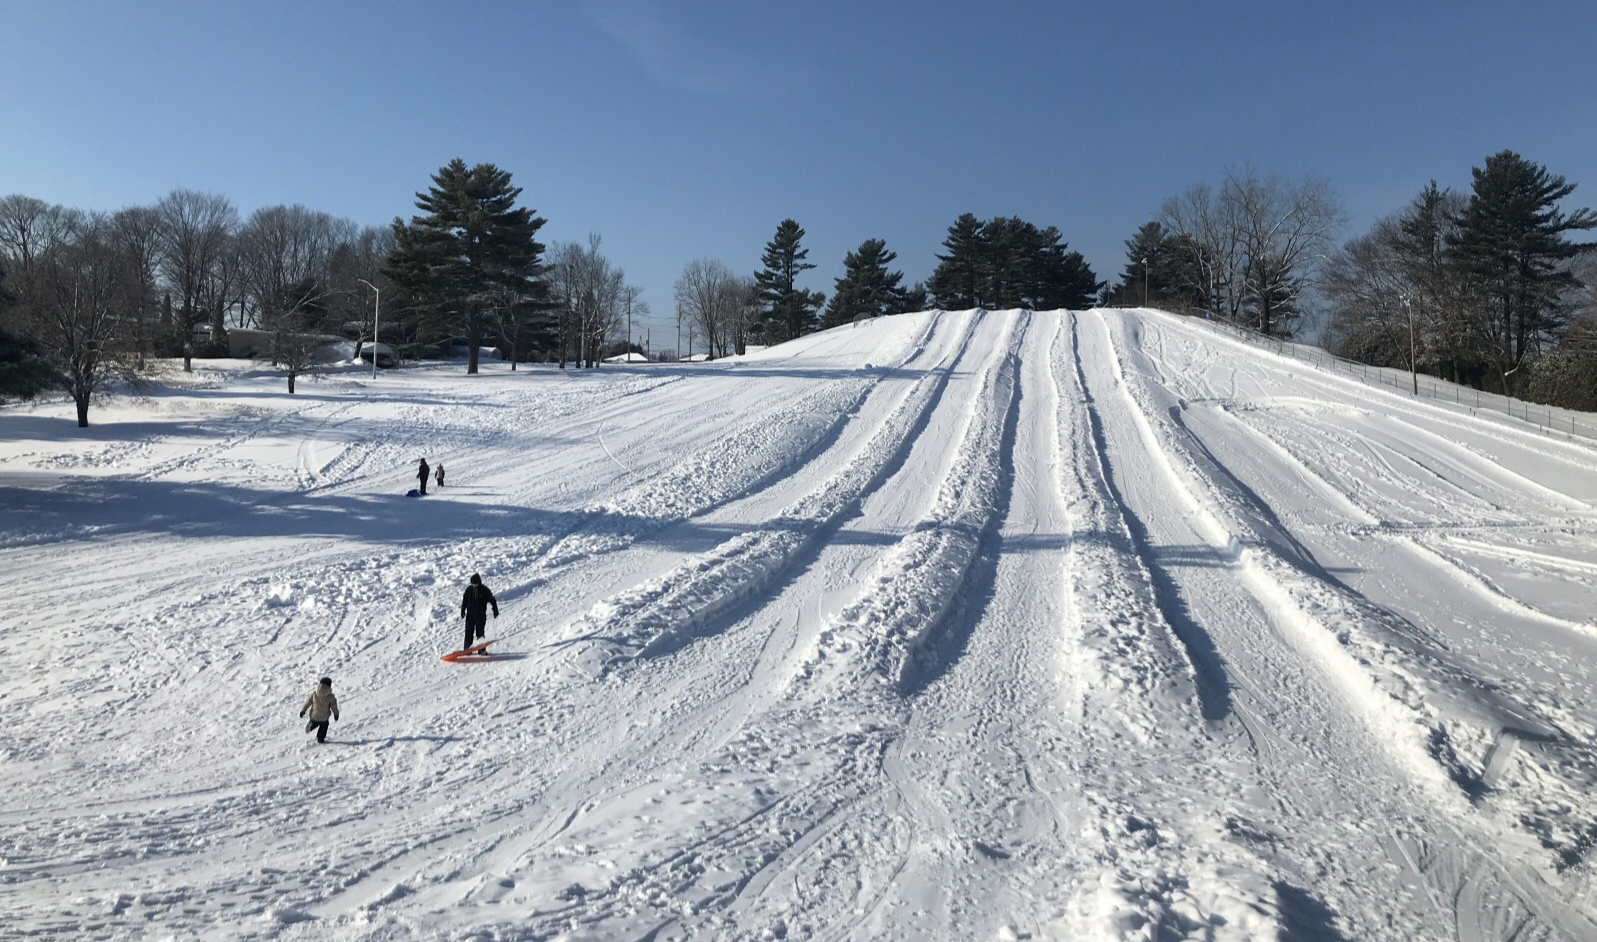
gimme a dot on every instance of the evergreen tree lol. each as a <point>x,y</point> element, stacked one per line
<point>24,370</point>
<point>961,275</point>
<point>1147,256</point>
<point>1511,242</point>
<point>789,311</point>
<point>1009,262</point>
<point>867,288</point>
<point>1059,278</point>
<point>1437,288</point>
<point>916,298</point>
<point>469,247</point>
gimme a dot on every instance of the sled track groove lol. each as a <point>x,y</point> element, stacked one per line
<point>1303,610</point>
<point>1211,682</point>
<point>891,628</point>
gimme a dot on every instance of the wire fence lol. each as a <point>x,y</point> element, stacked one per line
<point>1567,422</point>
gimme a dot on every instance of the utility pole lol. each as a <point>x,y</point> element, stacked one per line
<point>1413,371</point>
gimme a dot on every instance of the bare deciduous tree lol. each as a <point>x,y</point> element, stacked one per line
<point>589,291</point>
<point>81,293</point>
<point>285,261</point>
<point>1372,298</point>
<point>196,238</point>
<point>708,298</point>
<point>355,264</point>
<point>29,229</point>
<point>1252,247</point>
<point>137,234</point>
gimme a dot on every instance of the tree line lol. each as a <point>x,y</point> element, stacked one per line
<point>998,263</point>
<point>1486,288</point>
<point>87,299</point>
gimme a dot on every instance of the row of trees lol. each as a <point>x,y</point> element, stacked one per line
<point>1246,251</point>
<point>1008,262</point>
<point>1002,262</point>
<point>89,297</point>
<point>1486,289</point>
<point>726,311</point>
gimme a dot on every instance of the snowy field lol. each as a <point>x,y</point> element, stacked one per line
<point>966,626</point>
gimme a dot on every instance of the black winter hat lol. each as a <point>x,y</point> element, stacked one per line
<point>327,681</point>
<point>476,579</point>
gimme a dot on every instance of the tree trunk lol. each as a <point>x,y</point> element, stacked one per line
<point>291,382</point>
<point>82,401</point>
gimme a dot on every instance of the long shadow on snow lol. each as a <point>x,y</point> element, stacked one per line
<point>1208,667</point>
<point>1304,918</point>
<point>390,740</point>
<point>362,398</point>
<point>946,643</point>
<point>733,370</point>
<point>53,429</point>
<point>1275,532</point>
<point>108,507</point>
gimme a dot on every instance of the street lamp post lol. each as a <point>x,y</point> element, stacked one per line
<point>377,306</point>
<point>1413,369</point>
<point>1145,281</point>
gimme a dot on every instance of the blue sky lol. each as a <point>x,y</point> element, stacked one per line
<point>688,130</point>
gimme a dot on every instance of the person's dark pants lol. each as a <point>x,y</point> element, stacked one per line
<point>475,628</point>
<point>424,484</point>
<point>321,730</point>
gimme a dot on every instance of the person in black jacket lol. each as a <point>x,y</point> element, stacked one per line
<point>474,608</point>
<point>421,474</point>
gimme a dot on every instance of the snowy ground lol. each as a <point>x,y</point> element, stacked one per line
<point>945,627</point>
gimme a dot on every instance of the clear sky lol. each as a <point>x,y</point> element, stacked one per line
<point>685,130</point>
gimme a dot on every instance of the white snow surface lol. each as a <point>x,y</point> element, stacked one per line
<point>953,626</point>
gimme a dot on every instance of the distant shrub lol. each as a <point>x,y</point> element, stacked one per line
<point>1566,378</point>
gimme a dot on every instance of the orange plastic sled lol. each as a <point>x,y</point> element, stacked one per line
<point>482,649</point>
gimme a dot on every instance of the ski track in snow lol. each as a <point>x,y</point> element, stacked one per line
<point>960,625</point>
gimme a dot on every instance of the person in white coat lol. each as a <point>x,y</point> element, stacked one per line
<point>322,706</point>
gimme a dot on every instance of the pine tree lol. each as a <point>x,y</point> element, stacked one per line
<point>1511,239</point>
<point>789,311</point>
<point>917,298</point>
<point>1147,254</point>
<point>867,289</point>
<point>961,275</point>
<point>1009,262</point>
<point>24,370</point>
<point>1059,277</point>
<point>470,246</point>
<point>1436,286</point>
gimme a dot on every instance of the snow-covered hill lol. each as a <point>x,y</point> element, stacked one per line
<point>945,627</point>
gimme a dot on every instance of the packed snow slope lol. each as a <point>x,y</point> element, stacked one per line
<point>980,625</point>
